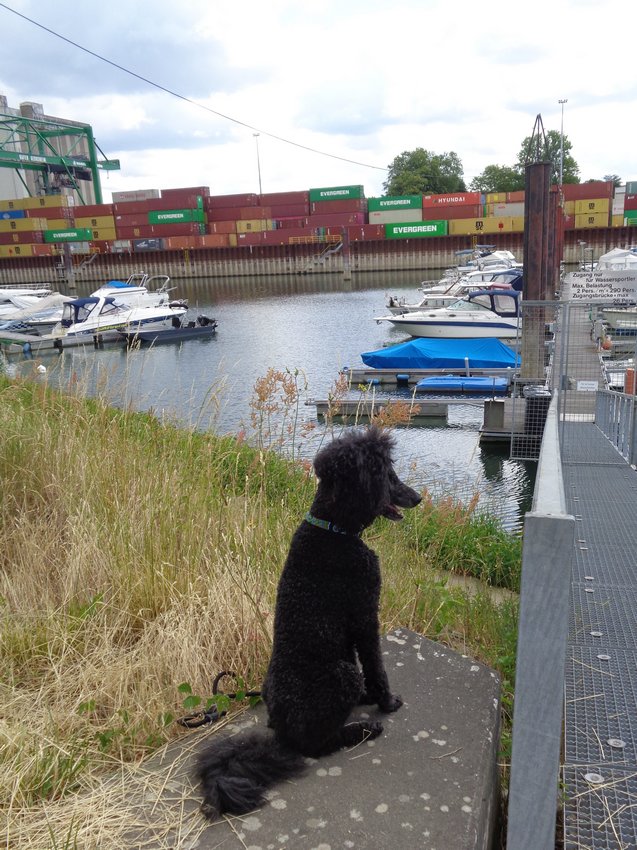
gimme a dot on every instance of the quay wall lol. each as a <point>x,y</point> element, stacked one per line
<point>365,256</point>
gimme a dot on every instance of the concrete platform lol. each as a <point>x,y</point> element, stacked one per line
<point>430,781</point>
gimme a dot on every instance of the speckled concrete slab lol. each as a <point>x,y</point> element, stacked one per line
<point>430,781</point>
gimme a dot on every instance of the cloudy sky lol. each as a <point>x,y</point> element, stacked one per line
<point>336,88</point>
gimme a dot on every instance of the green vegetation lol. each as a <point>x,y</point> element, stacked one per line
<point>139,559</point>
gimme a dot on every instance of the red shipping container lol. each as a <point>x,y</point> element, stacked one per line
<point>585,191</point>
<point>42,250</point>
<point>248,213</point>
<point>447,213</point>
<point>569,222</point>
<point>99,246</point>
<point>352,205</point>
<point>90,210</point>
<point>286,223</point>
<point>276,237</point>
<point>295,233</point>
<point>630,202</point>
<point>221,227</point>
<point>51,212</point>
<point>290,210</point>
<point>275,199</point>
<point>223,214</point>
<point>186,229</point>
<point>204,191</point>
<point>139,220</point>
<point>451,200</point>
<point>363,232</point>
<point>155,204</point>
<point>336,219</point>
<point>515,197</point>
<point>216,201</point>
<point>250,238</point>
<point>23,237</point>
<point>176,243</point>
<point>214,240</point>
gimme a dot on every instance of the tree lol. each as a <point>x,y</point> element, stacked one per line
<point>424,172</point>
<point>498,178</point>
<point>617,181</point>
<point>548,148</point>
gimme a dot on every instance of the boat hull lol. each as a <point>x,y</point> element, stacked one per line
<point>437,329</point>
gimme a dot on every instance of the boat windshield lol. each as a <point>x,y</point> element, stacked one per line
<point>462,305</point>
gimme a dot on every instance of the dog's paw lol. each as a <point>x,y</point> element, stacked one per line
<point>390,703</point>
<point>373,729</point>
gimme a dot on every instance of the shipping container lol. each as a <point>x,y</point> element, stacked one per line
<point>452,200</point>
<point>276,199</point>
<point>121,246</point>
<point>290,210</point>
<point>630,201</point>
<point>6,214</point>
<point>59,224</point>
<point>617,207</point>
<point>139,195</point>
<point>287,223</point>
<point>214,227</point>
<point>465,226</point>
<point>41,250</point>
<point>19,225</point>
<point>77,234</point>
<point>630,216</point>
<point>178,243</point>
<point>204,191</point>
<point>336,193</point>
<point>515,197</point>
<point>582,191</point>
<point>416,230</point>
<point>151,244</point>
<point>448,213</point>
<point>337,219</point>
<point>592,205</point>
<point>252,213</point>
<point>214,240</point>
<point>23,238</point>
<point>517,224</point>
<point>137,220</point>
<point>591,220</point>
<point>105,234</point>
<point>90,210</point>
<point>95,221</point>
<point>175,216</point>
<point>617,220</point>
<point>256,225</point>
<point>505,208</point>
<point>149,230</point>
<point>395,215</point>
<point>327,207</point>
<point>495,198</point>
<point>16,251</point>
<point>67,213</point>
<point>364,232</point>
<point>631,187</point>
<point>192,202</point>
<point>569,207</point>
<point>239,200</point>
<point>395,202</point>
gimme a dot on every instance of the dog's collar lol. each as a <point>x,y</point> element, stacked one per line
<point>325,524</point>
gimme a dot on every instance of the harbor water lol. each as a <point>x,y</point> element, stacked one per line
<point>309,327</point>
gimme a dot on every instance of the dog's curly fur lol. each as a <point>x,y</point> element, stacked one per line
<point>326,655</point>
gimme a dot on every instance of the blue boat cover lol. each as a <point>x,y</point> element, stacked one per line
<point>420,353</point>
<point>463,384</point>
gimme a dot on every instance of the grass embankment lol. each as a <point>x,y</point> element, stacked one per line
<point>137,556</point>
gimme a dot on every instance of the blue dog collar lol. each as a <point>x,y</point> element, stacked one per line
<point>325,524</point>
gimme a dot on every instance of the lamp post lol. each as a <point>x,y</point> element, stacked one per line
<point>256,139</point>
<point>562,102</point>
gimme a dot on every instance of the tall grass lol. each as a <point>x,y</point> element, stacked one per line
<point>137,556</point>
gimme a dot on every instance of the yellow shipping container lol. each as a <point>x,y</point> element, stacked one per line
<point>254,225</point>
<point>496,198</point>
<point>20,225</point>
<point>595,205</point>
<point>591,220</point>
<point>35,203</point>
<point>232,240</point>
<point>104,234</point>
<point>569,207</point>
<point>95,221</point>
<point>617,220</point>
<point>58,224</point>
<point>517,224</point>
<point>463,226</point>
<point>16,250</point>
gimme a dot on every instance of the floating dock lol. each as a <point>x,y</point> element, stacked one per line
<point>15,342</point>
<point>363,375</point>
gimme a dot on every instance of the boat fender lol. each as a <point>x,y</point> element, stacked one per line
<point>402,378</point>
<point>374,382</point>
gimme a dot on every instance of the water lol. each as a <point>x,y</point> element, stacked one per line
<point>316,325</point>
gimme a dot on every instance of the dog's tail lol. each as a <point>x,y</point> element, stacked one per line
<point>235,773</point>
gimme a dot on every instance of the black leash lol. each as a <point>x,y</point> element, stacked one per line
<point>212,714</point>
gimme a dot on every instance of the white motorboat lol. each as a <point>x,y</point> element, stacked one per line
<point>444,295</point>
<point>485,313</point>
<point>140,289</point>
<point>103,316</point>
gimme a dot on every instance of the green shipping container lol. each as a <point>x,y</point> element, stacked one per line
<point>80,234</point>
<point>631,214</point>
<point>631,187</point>
<point>175,216</point>
<point>395,202</point>
<point>337,193</point>
<point>415,229</point>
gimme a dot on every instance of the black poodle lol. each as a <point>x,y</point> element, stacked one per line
<point>326,655</point>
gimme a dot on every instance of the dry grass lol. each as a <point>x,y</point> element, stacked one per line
<point>135,557</point>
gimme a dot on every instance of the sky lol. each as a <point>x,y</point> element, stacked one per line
<point>335,89</point>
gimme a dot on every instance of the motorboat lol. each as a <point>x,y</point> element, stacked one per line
<point>447,354</point>
<point>484,313</point>
<point>13,299</point>
<point>104,316</point>
<point>203,327</point>
<point>140,289</point>
<point>444,295</point>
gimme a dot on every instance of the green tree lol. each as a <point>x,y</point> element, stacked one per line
<point>617,181</point>
<point>498,178</point>
<point>424,172</point>
<point>548,149</point>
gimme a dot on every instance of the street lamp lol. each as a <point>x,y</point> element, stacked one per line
<point>562,102</point>
<point>256,139</point>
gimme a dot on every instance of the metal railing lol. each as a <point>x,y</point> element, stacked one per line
<point>615,417</point>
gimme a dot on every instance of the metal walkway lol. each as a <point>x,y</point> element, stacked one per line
<point>600,710</point>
